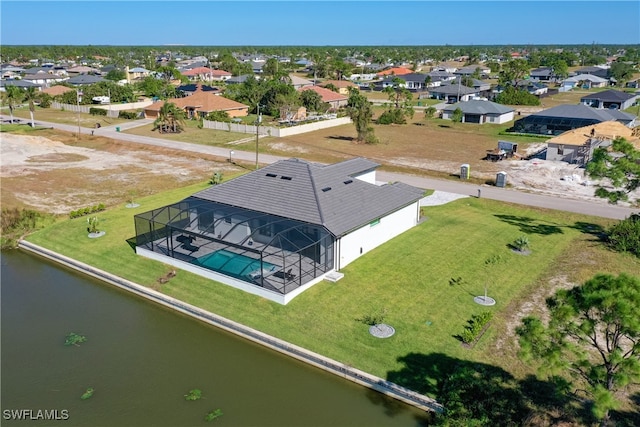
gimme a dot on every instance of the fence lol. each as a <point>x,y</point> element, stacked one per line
<point>360,377</point>
<point>81,108</point>
<point>276,131</point>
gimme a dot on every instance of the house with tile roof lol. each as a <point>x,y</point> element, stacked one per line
<point>395,71</point>
<point>57,90</point>
<point>611,99</point>
<point>334,99</point>
<point>277,231</point>
<point>199,104</point>
<point>476,111</point>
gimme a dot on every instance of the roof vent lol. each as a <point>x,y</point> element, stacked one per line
<point>286,178</point>
<point>325,189</point>
<point>271,175</point>
<point>349,181</point>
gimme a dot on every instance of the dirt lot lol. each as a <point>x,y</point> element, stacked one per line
<point>44,173</point>
<point>55,173</point>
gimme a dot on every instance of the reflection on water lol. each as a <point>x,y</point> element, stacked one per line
<point>141,359</point>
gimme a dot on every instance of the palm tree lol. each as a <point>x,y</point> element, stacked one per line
<point>14,96</point>
<point>30,96</point>
<point>170,118</point>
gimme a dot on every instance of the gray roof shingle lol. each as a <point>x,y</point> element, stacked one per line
<point>608,96</point>
<point>326,195</point>
<point>479,107</point>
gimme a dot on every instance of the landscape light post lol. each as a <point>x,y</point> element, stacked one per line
<point>231,153</point>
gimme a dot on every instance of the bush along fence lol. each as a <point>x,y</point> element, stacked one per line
<point>81,109</point>
<point>86,211</point>
<point>476,327</point>
<point>332,366</point>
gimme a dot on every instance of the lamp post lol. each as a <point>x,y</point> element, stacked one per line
<point>78,95</point>
<point>258,120</point>
<point>231,153</point>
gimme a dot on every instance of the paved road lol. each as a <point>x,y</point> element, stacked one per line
<point>560,202</point>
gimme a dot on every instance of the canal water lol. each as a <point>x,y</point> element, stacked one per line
<point>141,359</point>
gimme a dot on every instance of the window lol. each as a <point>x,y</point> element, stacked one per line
<point>561,150</point>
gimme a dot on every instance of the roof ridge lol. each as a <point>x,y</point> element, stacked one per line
<point>315,194</point>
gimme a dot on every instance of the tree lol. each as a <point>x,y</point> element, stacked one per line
<point>170,118</point>
<point>30,96</point>
<point>401,98</point>
<point>513,71</point>
<point>14,96</point>
<point>457,115</point>
<point>621,169</point>
<point>593,333</point>
<point>514,96</point>
<point>361,112</point>
<point>428,113</point>
<point>621,72</point>
<point>312,100</point>
<point>116,75</point>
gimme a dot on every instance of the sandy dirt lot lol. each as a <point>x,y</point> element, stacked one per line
<point>51,176</point>
<point>57,177</point>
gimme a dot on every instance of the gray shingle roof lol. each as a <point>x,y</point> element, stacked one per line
<point>608,96</point>
<point>84,79</point>
<point>583,112</point>
<point>479,107</point>
<point>326,195</point>
<point>454,90</point>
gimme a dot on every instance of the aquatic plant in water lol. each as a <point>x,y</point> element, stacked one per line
<point>194,394</point>
<point>87,394</point>
<point>213,415</point>
<point>75,339</point>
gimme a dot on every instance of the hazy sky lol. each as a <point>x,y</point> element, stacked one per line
<point>217,23</point>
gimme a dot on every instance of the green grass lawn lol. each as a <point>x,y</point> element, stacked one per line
<point>192,134</point>
<point>407,277</point>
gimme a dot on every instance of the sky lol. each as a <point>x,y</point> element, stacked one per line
<point>318,23</point>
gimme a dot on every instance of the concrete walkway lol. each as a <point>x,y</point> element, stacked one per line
<point>560,202</point>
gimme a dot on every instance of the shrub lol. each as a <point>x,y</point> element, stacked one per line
<point>97,111</point>
<point>129,115</point>
<point>395,116</point>
<point>93,224</point>
<point>218,116</point>
<point>521,243</point>
<point>15,223</point>
<point>475,326</point>
<point>86,211</point>
<point>625,235</point>
<point>194,394</point>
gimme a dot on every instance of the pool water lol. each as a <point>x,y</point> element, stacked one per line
<point>232,264</point>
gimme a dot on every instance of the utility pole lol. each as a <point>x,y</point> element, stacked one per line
<point>78,94</point>
<point>258,120</point>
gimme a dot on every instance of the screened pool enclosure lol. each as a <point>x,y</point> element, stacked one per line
<point>267,251</point>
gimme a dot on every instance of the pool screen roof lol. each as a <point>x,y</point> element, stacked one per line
<point>327,195</point>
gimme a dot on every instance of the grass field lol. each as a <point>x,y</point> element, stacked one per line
<point>408,278</point>
<point>66,117</point>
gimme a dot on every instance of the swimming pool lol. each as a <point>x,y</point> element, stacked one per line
<point>232,264</point>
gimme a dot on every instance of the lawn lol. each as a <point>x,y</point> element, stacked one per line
<point>66,117</point>
<point>192,134</point>
<point>407,277</point>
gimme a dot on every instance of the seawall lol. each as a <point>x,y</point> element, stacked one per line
<point>329,365</point>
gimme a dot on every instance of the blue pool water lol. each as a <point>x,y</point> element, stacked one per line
<point>232,264</point>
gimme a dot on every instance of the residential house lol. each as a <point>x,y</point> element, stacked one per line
<point>18,83</point>
<point>534,87</point>
<point>342,85</point>
<point>472,69</point>
<point>334,99</point>
<point>198,74</point>
<point>84,80</point>
<point>415,82</point>
<point>577,146</point>
<point>395,71</point>
<point>594,71</point>
<point>82,69</point>
<point>277,231</point>
<point>44,79</point>
<point>220,75</point>
<point>190,89</point>
<point>583,81</point>
<point>199,104</point>
<point>136,73</point>
<point>612,99</point>
<point>57,90</point>
<point>453,93</point>
<point>556,120</point>
<point>238,79</point>
<point>480,112</point>
<point>299,82</point>
<point>542,74</point>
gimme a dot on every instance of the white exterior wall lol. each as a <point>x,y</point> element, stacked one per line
<point>369,237</point>
<point>369,177</point>
<point>502,118</point>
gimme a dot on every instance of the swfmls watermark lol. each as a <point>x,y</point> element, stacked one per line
<point>35,414</point>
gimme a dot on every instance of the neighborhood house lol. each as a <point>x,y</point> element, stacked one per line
<point>279,230</point>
